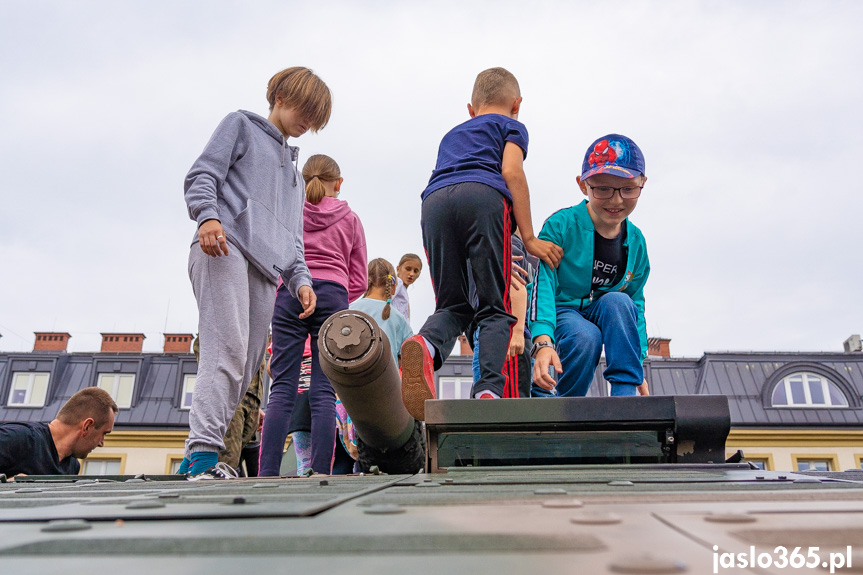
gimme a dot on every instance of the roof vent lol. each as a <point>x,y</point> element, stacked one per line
<point>853,344</point>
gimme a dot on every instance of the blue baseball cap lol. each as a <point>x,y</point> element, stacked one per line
<point>615,155</point>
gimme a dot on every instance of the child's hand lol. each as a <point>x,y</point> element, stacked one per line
<point>642,389</point>
<point>211,236</point>
<point>518,274</point>
<point>308,300</point>
<point>516,344</point>
<point>545,358</point>
<point>546,251</point>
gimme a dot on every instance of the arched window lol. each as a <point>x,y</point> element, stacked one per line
<point>806,389</point>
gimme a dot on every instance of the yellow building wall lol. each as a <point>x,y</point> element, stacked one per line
<point>783,447</point>
<point>148,452</point>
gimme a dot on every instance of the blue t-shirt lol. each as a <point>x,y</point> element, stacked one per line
<point>473,152</point>
<point>396,326</point>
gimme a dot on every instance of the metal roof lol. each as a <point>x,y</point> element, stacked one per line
<point>747,378</point>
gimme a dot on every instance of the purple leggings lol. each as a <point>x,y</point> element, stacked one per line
<point>289,339</point>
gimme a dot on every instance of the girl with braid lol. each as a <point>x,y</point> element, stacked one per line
<point>335,253</point>
<point>377,302</point>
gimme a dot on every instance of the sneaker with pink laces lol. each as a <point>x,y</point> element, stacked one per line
<point>417,376</point>
<point>486,395</point>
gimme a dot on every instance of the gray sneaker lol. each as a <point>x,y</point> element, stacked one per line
<point>218,471</point>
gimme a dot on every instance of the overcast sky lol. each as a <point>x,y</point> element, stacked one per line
<point>750,116</point>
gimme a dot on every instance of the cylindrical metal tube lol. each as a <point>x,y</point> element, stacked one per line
<point>355,355</point>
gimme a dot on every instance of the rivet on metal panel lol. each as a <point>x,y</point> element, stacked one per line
<point>646,564</point>
<point>807,480</point>
<point>596,518</point>
<point>550,491</point>
<point>619,483</point>
<point>29,490</point>
<point>145,505</point>
<point>562,503</point>
<point>169,495</point>
<point>323,482</point>
<point>66,525</point>
<point>429,484</point>
<point>449,481</point>
<point>238,500</point>
<point>384,509</point>
<point>265,485</point>
<point>730,518</point>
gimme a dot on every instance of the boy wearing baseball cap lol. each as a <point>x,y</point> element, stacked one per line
<point>595,297</point>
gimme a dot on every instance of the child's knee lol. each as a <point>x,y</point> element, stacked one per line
<point>619,303</point>
<point>586,341</point>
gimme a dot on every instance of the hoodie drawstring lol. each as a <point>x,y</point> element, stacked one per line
<point>296,160</point>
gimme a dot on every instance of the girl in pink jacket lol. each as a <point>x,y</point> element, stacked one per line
<point>335,253</point>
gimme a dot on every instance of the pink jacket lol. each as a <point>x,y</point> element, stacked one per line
<point>335,245</point>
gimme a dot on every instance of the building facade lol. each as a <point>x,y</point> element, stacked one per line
<point>789,411</point>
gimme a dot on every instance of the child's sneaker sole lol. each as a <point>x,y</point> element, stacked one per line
<point>415,389</point>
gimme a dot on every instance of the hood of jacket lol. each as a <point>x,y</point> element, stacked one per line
<point>264,124</point>
<point>324,214</point>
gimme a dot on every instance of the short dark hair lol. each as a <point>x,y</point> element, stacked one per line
<point>92,402</point>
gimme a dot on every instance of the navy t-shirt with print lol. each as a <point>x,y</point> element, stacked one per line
<point>609,260</point>
<point>473,152</point>
<point>29,448</point>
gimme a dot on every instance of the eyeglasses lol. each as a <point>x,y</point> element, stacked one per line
<point>607,192</point>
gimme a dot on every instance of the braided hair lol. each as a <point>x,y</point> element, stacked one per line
<point>382,275</point>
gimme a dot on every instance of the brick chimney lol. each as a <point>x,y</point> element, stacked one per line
<point>464,348</point>
<point>658,347</point>
<point>50,341</point>
<point>178,342</point>
<point>122,342</point>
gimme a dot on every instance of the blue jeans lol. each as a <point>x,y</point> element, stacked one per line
<point>610,321</point>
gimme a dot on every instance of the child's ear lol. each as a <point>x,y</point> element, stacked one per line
<point>471,111</point>
<point>516,105</point>
<point>581,185</point>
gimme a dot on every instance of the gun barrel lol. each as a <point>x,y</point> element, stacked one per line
<point>355,355</point>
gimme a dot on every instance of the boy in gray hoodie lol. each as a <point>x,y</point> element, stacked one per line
<point>246,194</point>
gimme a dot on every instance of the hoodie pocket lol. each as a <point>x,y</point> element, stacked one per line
<point>263,239</point>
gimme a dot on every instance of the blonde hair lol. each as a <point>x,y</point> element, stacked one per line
<point>318,169</point>
<point>494,86</point>
<point>409,257</point>
<point>382,275</point>
<point>92,402</point>
<point>301,89</point>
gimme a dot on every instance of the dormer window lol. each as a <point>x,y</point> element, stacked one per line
<point>805,389</point>
<point>29,389</point>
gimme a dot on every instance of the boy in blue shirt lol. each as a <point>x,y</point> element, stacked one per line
<point>595,296</point>
<point>476,189</point>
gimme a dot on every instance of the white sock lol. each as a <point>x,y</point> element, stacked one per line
<point>430,347</point>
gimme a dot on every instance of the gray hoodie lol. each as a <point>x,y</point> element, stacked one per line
<point>247,179</point>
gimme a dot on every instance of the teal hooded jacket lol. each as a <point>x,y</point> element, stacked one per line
<point>570,284</point>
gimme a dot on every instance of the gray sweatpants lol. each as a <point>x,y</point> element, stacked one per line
<point>235,306</point>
